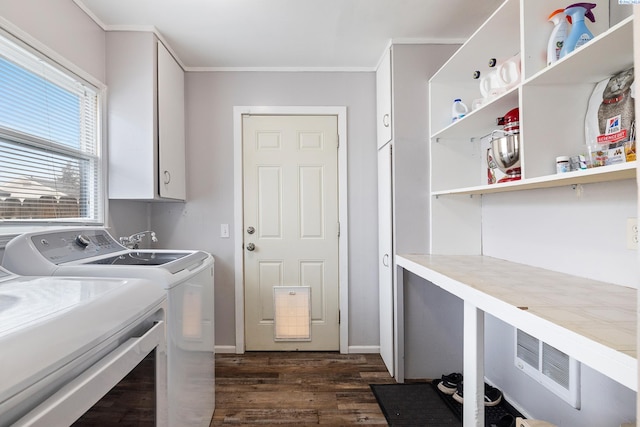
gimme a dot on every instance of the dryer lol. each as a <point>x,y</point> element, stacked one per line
<point>185,276</point>
<point>65,342</point>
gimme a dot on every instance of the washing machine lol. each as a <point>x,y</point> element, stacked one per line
<point>185,276</point>
<point>66,342</point>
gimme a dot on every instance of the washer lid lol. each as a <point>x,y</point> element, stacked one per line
<point>46,324</point>
<point>26,302</point>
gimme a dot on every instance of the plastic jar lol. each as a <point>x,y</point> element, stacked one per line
<point>562,164</point>
<point>458,110</point>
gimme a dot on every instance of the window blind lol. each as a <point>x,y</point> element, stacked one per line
<point>50,155</point>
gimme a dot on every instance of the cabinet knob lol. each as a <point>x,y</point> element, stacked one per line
<point>167,177</point>
<point>385,120</point>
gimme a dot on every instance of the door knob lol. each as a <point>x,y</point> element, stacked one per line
<point>251,230</point>
<point>251,247</point>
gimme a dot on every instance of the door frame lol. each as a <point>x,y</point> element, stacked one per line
<point>343,242</point>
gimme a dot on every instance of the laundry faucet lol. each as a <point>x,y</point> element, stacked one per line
<point>133,241</point>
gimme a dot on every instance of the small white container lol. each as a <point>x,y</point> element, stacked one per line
<point>458,110</point>
<point>562,164</point>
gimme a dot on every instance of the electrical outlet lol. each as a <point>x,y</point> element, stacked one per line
<point>632,233</point>
<point>224,231</point>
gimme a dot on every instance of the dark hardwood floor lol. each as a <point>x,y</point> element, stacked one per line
<point>298,388</point>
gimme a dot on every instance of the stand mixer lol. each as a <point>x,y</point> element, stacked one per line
<point>505,145</point>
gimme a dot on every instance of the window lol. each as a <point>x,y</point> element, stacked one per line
<point>50,156</point>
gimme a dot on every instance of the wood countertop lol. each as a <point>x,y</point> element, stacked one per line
<point>594,322</point>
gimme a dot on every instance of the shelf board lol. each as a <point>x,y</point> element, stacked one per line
<point>614,48</point>
<point>592,321</point>
<point>474,54</point>
<point>601,174</point>
<point>483,118</point>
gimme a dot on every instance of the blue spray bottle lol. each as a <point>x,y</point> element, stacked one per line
<point>579,33</point>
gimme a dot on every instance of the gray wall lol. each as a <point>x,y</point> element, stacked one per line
<point>63,27</point>
<point>413,66</point>
<point>210,98</point>
<point>60,25</point>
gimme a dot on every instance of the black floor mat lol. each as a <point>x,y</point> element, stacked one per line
<point>492,414</point>
<point>422,404</point>
<point>414,404</point>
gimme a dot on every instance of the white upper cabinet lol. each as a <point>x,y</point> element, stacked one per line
<point>171,126</point>
<point>383,99</point>
<point>146,130</point>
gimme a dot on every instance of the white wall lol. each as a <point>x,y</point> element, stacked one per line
<point>210,98</point>
<point>580,232</point>
<point>605,403</point>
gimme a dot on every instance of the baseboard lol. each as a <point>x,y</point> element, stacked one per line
<point>511,401</point>
<point>355,349</point>
<point>225,349</point>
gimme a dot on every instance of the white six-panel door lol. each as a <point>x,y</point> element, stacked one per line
<point>290,224</point>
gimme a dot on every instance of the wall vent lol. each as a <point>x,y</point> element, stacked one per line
<point>552,368</point>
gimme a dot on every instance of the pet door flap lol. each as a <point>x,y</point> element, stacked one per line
<point>292,308</point>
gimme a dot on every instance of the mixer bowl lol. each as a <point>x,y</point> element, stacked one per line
<point>506,151</point>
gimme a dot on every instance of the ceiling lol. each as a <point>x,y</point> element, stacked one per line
<point>291,34</point>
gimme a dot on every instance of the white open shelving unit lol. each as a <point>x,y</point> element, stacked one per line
<point>552,102</point>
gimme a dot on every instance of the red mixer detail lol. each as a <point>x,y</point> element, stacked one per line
<point>510,121</point>
<point>505,149</point>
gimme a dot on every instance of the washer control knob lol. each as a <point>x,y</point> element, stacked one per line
<point>82,240</point>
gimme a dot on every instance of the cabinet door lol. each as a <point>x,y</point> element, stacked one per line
<point>385,256</point>
<point>171,146</point>
<point>383,99</point>
<point>130,73</point>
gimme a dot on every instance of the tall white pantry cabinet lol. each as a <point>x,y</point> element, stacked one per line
<point>402,177</point>
<point>146,118</point>
<point>385,212</point>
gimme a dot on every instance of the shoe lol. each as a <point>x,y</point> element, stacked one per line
<point>507,420</point>
<point>457,395</point>
<point>449,383</point>
<point>492,396</point>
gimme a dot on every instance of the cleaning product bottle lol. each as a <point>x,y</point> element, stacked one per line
<point>579,33</point>
<point>458,110</point>
<point>558,35</point>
